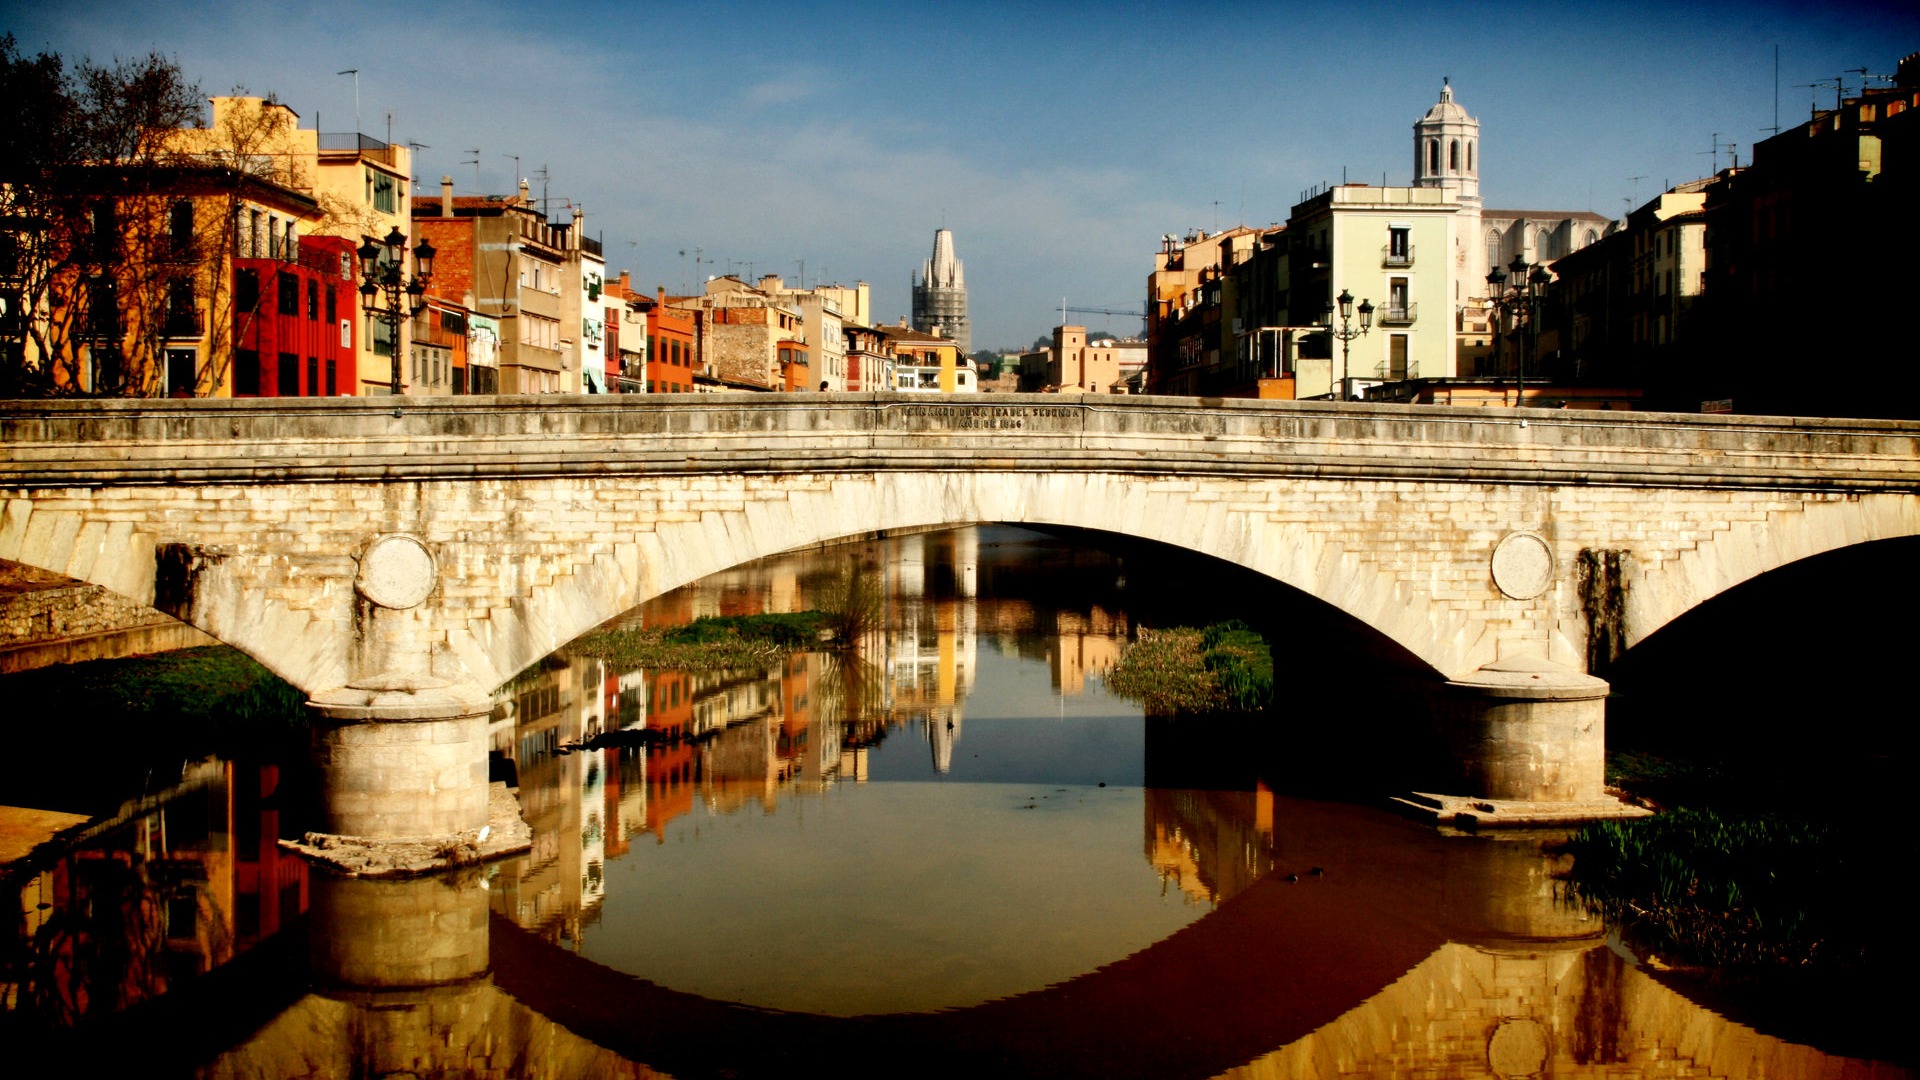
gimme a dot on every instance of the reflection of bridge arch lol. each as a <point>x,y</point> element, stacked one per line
<point>1414,952</point>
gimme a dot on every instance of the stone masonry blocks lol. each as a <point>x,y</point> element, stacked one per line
<point>527,563</point>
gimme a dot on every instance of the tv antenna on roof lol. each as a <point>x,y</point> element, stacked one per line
<point>476,170</point>
<point>355,72</point>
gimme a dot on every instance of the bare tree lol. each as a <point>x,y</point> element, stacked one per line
<point>88,198</point>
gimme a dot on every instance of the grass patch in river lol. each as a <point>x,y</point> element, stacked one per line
<point>1224,668</point>
<point>711,643</point>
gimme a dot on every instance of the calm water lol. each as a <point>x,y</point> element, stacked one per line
<point>954,854</point>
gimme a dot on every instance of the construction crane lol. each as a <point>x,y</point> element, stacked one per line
<point>1137,313</point>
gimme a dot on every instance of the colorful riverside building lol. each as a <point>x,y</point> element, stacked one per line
<point>294,319</point>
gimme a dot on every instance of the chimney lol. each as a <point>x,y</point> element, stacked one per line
<point>526,196</point>
<point>446,196</point>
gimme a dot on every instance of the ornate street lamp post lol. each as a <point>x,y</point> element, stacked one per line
<point>1345,335</point>
<point>382,285</point>
<point>1519,306</point>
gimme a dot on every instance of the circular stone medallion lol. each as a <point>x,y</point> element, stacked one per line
<point>1522,565</point>
<point>396,572</point>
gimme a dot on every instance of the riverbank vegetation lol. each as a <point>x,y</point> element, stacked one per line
<point>712,643</point>
<point>1731,891</point>
<point>137,720</point>
<point>1222,668</point>
<point>1745,873</point>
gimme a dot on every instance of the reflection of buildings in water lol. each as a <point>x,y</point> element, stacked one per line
<point>928,669</point>
<point>731,739</point>
<point>166,889</point>
<point>1084,645</point>
<point>557,886</point>
<point>1210,844</point>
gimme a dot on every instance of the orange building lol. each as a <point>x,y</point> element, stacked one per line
<point>670,358</point>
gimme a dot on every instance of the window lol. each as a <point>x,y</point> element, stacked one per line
<point>1433,156</point>
<point>1399,246</point>
<point>380,192</point>
<point>333,306</point>
<point>246,373</point>
<point>103,307</point>
<point>313,375</point>
<point>183,317</point>
<point>286,289</point>
<point>1453,156</point>
<point>1469,155</point>
<point>252,250</point>
<point>180,229</point>
<point>313,301</point>
<point>105,241</point>
<point>1397,356</point>
<point>181,378</point>
<point>246,290</point>
<point>289,375</point>
<point>331,386</point>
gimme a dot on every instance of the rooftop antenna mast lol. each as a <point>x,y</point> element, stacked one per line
<point>1731,147</point>
<point>355,72</point>
<point>476,170</point>
<point>1776,89</point>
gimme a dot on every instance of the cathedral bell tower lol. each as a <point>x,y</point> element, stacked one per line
<point>1446,149</point>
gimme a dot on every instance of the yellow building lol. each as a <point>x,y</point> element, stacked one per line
<point>928,363</point>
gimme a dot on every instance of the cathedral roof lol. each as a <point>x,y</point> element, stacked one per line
<point>1445,109</point>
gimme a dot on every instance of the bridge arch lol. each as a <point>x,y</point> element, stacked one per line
<point>1664,588</point>
<point>1228,524</point>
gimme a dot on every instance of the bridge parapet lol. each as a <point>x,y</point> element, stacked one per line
<point>221,441</point>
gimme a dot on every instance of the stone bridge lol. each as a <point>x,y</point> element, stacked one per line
<point>397,560</point>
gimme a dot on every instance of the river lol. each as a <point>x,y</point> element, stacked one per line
<point>949,852</point>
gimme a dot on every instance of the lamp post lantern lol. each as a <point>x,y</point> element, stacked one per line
<point>382,285</point>
<point>1346,333</point>
<point>1520,306</point>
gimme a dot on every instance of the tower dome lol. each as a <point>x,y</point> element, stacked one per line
<point>1446,149</point>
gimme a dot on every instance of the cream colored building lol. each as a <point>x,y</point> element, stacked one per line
<point>1420,255</point>
<point>1075,365</point>
<point>1395,249</point>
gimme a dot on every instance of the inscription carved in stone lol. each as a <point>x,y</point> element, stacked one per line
<point>1522,565</point>
<point>396,572</point>
<point>985,417</point>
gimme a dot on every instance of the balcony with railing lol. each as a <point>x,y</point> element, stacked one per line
<point>186,323</point>
<point>1396,256</point>
<point>1388,315</point>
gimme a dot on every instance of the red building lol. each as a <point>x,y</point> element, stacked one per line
<point>294,322</point>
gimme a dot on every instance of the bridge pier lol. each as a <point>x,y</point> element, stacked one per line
<point>403,783</point>
<point>1528,740</point>
<point>402,752</point>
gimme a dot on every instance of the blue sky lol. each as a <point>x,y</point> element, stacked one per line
<point>1057,141</point>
